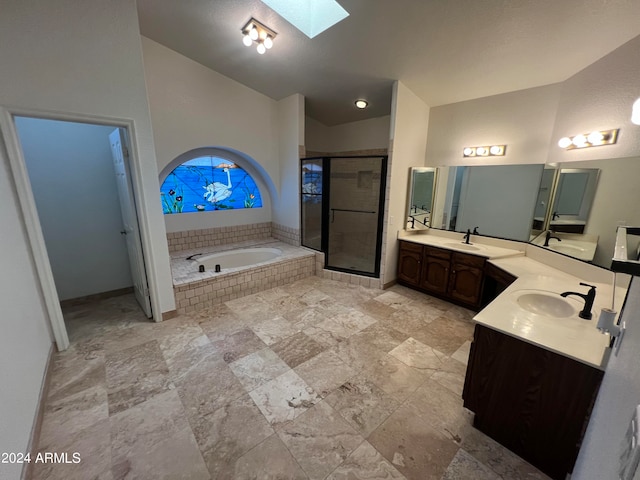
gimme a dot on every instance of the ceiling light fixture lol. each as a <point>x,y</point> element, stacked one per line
<point>485,151</point>
<point>361,103</point>
<point>258,33</point>
<point>593,139</point>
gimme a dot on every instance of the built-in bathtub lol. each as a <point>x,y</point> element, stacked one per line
<point>243,257</point>
<point>245,268</point>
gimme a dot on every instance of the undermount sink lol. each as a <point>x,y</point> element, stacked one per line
<point>462,245</point>
<point>547,304</point>
<point>568,249</point>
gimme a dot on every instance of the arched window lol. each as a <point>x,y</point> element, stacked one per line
<point>208,183</point>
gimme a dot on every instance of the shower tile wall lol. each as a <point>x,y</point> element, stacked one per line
<point>211,237</point>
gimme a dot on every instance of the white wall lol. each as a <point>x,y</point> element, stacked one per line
<point>192,107</point>
<point>600,98</point>
<point>522,120</point>
<point>74,186</point>
<point>67,56</point>
<point>291,127</point>
<point>409,124</point>
<point>367,134</point>
<point>618,396</point>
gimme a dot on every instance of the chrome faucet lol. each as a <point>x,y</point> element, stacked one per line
<point>549,237</point>
<point>588,298</point>
<point>467,236</point>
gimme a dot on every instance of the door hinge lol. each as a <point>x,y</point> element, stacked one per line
<point>125,151</point>
<point>146,292</point>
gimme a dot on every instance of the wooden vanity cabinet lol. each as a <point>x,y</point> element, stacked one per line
<point>533,401</point>
<point>410,263</point>
<point>496,281</point>
<point>454,276</point>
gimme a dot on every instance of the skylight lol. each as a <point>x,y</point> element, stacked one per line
<point>311,17</point>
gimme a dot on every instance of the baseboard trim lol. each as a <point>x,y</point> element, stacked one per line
<point>169,315</point>
<point>389,284</point>
<point>34,440</point>
<point>72,302</point>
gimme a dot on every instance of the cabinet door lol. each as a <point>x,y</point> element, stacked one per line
<point>465,284</point>
<point>533,401</point>
<point>409,265</point>
<point>435,275</point>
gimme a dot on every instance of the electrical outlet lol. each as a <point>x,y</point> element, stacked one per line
<point>630,452</point>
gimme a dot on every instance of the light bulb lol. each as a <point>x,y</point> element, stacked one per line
<point>564,142</point>
<point>268,42</point>
<point>467,152</point>
<point>635,112</point>
<point>261,48</point>
<point>246,39</point>
<point>361,103</point>
<point>595,138</point>
<point>253,33</point>
<point>579,141</point>
<point>481,151</point>
<point>496,150</point>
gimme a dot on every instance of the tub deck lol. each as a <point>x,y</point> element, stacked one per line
<point>194,290</point>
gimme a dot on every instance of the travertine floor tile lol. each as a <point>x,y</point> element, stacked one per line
<point>465,466</point>
<point>325,372</point>
<point>366,463</point>
<point>445,334</point>
<point>297,349</point>
<point>362,404</point>
<point>284,398</point>
<point>451,375</point>
<point>228,433</point>
<point>154,440</point>
<point>342,326</point>
<point>134,375</point>
<point>394,377</point>
<point>319,440</point>
<point>462,354</point>
<point>272,330</point>
<point>392,299</point>
<point>418,451</point>
<point>258,368</point>
<point>418,355</point>
<point>233,346</point>
<point>270,460</point>
<point>382,336</point>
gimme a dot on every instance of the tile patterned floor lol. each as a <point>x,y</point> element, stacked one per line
<point>313,380</point>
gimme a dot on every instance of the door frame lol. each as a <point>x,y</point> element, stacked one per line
<point>29,211</point>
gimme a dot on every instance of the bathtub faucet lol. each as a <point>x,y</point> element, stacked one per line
<point>190,257</point>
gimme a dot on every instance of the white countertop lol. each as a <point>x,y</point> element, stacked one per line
<point>570,336</point>
<point>582,247</point>
<point>454,242</point>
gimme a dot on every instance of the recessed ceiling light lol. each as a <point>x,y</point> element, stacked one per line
<point>362,103</point>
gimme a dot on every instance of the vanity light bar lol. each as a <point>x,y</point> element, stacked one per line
<point>593,139</point>
<point>485,151</point>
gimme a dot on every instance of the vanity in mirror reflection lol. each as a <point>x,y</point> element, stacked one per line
<point>506,201</point>
<point>422,184</point>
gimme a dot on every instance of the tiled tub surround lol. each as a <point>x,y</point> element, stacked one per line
<point>285,234</point>
<point>212,237</point>
<point>194,290</point>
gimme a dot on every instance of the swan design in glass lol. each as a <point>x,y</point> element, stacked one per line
<point>216,192</point>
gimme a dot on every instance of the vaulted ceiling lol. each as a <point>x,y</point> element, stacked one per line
<point>445,51</point>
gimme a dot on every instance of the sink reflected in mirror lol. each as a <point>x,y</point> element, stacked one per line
<point>463,246</point>
<point>547,304</point>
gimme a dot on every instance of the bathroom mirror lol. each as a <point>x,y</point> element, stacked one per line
<point>615,200</point>
<point>422,186</point>
<point>574,193</point>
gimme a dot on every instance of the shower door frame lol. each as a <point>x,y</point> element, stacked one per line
<point>326,211</point>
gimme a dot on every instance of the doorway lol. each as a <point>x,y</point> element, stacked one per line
<point>342,208</point>
<point>80,182</point>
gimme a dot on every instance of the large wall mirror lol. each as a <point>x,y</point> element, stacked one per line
<point>506,201</point>
<point>422,187</point>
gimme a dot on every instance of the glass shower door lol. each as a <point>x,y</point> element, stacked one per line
<point>311,205</point>
<point>354,223</point>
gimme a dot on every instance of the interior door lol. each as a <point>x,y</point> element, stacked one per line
<point>120,154</point>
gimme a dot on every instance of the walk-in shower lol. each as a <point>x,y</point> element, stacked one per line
<point>342,204</point>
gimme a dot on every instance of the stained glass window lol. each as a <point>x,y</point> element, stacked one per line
<point>208,183</point>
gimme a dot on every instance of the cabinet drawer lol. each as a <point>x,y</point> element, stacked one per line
<point>437,253</point>
<point>410,246</point>
<point>470,260</point>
